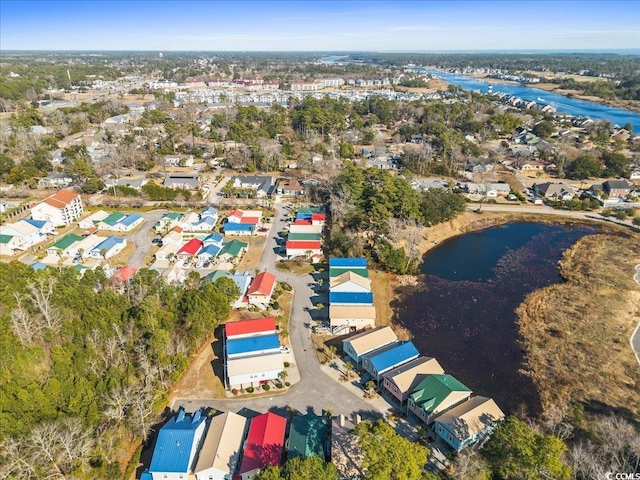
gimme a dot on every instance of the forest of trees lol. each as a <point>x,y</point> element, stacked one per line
<point>86,368</point>
<point>381,215</point>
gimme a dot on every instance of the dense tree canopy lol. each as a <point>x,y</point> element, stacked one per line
<point>85,364</point>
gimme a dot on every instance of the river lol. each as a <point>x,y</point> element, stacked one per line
<point>562,103</point>
<point>463,311</point>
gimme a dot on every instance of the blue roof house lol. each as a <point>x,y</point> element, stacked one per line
<point>231,228</point>
<point>250,346</point>
<point>350,298</point>
<point>209,212</point>
<point>108,248</point>
<point>213,239</point>
<point>387,358</point>
<point>176,447</point>
<point>209,252</point>
<point>348,263</point>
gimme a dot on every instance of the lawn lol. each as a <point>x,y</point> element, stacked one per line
<point>295,267</point>
<point>252,257</point>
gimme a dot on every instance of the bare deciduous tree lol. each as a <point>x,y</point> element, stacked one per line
<point>40,293</point>
<point>24,325</point>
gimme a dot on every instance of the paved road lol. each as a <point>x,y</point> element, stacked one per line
<point>141,238</point>
<point>316,390</point>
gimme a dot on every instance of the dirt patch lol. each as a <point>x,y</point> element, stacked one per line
<point>252,257</point>
<point>295,267</point>
<point>200,381</point>
<point>576,334</point>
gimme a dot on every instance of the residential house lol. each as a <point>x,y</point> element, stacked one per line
<point>178,160</point>
<point>176,447</point>
<point>436,394</point>
<point>310,228</point>
<point>290,187</point>
<point>108,248</point>
<point>261,289</point>
<point>401,381</point>
<point>84,247</point>
<point>189,249</point>
<point>204,221</point>
<point>469,422</point>
<point>555,191</point>
<point>184,182</point>
<point>9,245</point>
<point>61,208</point>
<point>307,436</point>
<point>353,264</point>
<point>208,253</point>
<point>232,251</point>
<point>93,220</point>
<point>25,233</point>
<point>167,251</point>
<point>303,248</point>
<point>55,180</point>
<point>261,184</point>
<point>250,371</point>
<point>123,274</point>
<point>135,183</point>
<point>310,237</point>
<point>174,236</point>
<point>213,239</point>
<point>63,246</point>
<point>351,317</point>
<point>349,298</point>
<point>252,346</point>
<point>250,328</point>
<point>346,452</point>
<point>120,222</point>
<point>238,229</point>
<point>247,217</point>
<point>222,446</point>
<point>617,188</point>
<point>168,221</point>
<point>367,341</point>
<point>350,282</point>
<point>387,358</point>
<point>264,445</point>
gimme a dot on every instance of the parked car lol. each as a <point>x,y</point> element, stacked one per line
<point>207,264</point>
<point>186,263</point>
<point>157,241</point>
<point>285,350</point>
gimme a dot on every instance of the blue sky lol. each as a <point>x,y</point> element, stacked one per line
<point>320,25</point>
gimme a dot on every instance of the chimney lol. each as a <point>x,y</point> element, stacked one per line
<point>342,420</point>
<point>357,418</point>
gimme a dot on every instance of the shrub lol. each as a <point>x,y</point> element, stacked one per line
<point>250,389</point>
<point>286,287</point>
<point>266,387</point>
<point>288,384</point>
<point>234,391</point>
<point>275,306</point>
<point>286,364</point>
<point>279,385</point>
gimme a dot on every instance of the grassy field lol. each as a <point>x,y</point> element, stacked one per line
<point>251,259</point>
<point>577,333</point>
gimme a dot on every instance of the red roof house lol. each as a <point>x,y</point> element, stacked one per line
<point>235,216</point>
<point>261,289</point>
<point>250,220</point>
<point>248,328</point>
<point>190,248</point>
<point>265,444</point>
<point>61,198</point>
<point>124,274</point>
<point>303,222</point>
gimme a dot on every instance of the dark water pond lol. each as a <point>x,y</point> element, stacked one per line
<point>463,313</point>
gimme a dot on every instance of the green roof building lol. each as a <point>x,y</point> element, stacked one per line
<point>114,218</point>
<point>64,243</point>
<point>334,272</point>
<point>436,394</point>
<point>307,436</point>
<point>304,237</point>
<point>310,210</point>
<point>233,248</point>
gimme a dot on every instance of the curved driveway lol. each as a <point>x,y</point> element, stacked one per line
<point>316,390</point>
<point>141,238</point>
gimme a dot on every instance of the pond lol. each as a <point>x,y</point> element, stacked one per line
<point>463,310</point>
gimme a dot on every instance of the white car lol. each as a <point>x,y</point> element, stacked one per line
<point>285,350</point>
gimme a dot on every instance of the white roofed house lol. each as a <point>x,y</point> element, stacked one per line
<point>93,219</point>
<point>401,381</point>
<point>185,182</point>
<point>55,180</point>
<point>222,446</point>
<point>25,233</point>
<point>469,422</point>
<point>262,184</point>
<point>367,341</point>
